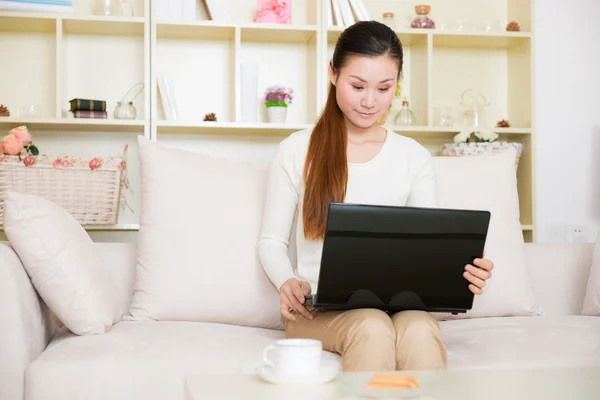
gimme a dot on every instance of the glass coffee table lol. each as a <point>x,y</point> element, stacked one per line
<point>499,384</point>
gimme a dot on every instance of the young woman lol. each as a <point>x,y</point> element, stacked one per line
<point>349,156</point>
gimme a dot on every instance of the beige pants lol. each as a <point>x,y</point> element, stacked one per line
<point>372,340</point>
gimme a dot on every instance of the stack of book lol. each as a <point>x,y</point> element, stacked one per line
<point>50,6</point>
<point>87,108</point>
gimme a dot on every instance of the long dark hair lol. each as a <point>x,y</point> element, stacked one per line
<point>326,169</point>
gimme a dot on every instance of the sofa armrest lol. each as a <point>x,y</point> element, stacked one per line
<point>25,324</point>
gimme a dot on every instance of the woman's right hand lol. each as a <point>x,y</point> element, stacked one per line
<point>291,298</point>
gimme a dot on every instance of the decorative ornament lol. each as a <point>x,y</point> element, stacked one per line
<point>210,117</point>
<point>513,26</point>
<point>4,112</point>
<point>503,124</point>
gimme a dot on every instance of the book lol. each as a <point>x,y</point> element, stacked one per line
<point>87,105</point>
<point>90,114</point>
<point>347,15</point>
<point>359,10</point>
<point>329,13</point>
<point>217,10</point>
<point>337,13</point>
<point>9,5</point>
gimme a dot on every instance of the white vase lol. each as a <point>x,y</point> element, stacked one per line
<point>276,114</point>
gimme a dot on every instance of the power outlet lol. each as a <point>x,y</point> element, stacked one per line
<point>578,234</point>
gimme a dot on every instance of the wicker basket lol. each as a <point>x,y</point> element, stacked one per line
<point>90,189</point>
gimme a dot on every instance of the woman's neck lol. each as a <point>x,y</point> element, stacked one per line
<point>358,134</point>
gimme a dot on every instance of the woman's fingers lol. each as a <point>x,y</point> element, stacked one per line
<point>478,272</point>
<point>292,301</point>
<point>285,311</point>
<point>478,282</point>
<point>475,289</point>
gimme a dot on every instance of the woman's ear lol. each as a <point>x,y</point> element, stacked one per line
<point>331,73</point>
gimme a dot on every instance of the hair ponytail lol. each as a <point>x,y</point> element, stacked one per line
<point>326,168</point>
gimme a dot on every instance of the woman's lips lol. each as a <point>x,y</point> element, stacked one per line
<point>366,115</point>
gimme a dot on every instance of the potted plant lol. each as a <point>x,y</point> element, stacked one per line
<point>481,141</point>
<point>277,99</point>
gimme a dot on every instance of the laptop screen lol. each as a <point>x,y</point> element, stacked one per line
<point>400,256</point>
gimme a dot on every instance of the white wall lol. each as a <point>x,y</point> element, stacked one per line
<point>567,91</point>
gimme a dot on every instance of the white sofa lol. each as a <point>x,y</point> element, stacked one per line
<point>148,360</point>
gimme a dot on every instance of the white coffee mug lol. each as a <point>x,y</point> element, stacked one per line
<point>294,357</point>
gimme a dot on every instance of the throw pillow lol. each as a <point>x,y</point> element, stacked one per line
<point>60,259</point>
<point>489,182</point>
<point>591,301</point>
<point>197,257</point>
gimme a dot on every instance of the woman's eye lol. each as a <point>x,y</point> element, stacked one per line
<point>357,87</point>
<point>384,89</point>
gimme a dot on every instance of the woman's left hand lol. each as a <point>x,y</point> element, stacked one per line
<point>478,274</point>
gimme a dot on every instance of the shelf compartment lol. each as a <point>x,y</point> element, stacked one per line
<point>27,22</point>
<point>277,33</point>
<point>480,40</point>
<point>108,26</point>
<point>73,124</point>
<point>408,37</point>
<point>229,128</point>
<point>202,30</point>
<point>101,67</point>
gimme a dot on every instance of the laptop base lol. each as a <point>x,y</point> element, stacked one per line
<point>403,301</point>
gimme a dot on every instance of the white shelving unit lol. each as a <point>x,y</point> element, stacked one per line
<point>53,58</point>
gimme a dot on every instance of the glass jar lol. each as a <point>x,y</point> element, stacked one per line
<point>405,116</point>
<point>126,8</point>
<point>388,19</point>
<point>124,110</point>
<point>107,8</point>
<point>423,21</point>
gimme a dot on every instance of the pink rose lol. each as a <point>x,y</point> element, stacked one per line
<point>11,145</point>
<point>57,163</point>
<point>22,134</point>
<point>95,163</point>
<point>28,161</point>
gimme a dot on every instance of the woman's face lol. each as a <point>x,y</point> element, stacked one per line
<point>365,88</point>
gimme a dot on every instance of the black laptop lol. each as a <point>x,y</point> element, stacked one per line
<point>398,258</point>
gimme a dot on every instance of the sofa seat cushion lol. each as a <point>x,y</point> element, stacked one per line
<point>144,359</point>
<point>542,341</point>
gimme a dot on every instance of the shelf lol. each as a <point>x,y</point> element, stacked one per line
<point>527,227</point>
<point>207,30</point>
<point>277,33</point>
<point>442,131</point>
<point>250,32</point>
<point>92,25</point>
<point>118,227</point>
<point>73,124</point>
<point>230,128</point>
<point>409,37</point>
<point>479,40</point>
<point>27,22</point>
<point>108,26</point>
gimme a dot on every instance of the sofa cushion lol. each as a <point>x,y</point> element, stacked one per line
<point>591,301</point>
<point>62,263</point>
<point>522,342</point>
<point>148,360</point>
<point>144,360</point>
<point>197,258</point>
<point>489,182</point>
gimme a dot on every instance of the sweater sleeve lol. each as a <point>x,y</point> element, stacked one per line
<point>423,192</point>
<point>281,202</point>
